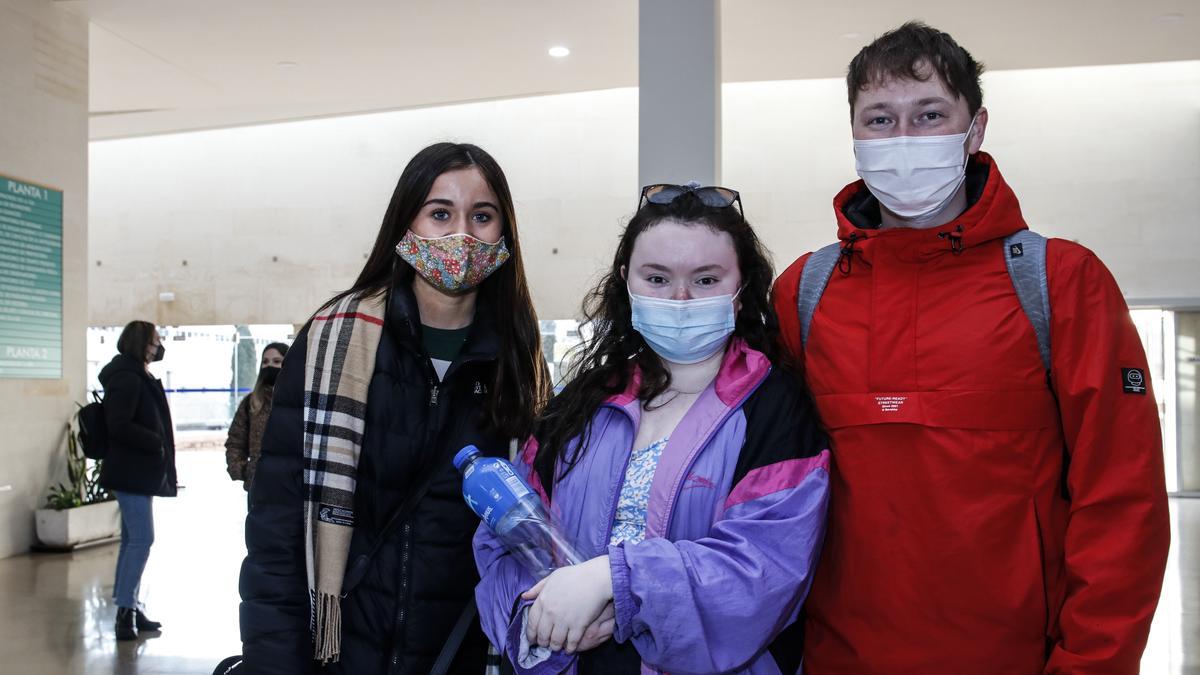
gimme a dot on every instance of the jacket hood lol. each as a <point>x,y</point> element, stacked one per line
<point>121,363</point>
<point>993,213</point>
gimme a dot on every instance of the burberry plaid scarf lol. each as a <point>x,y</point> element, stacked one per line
<point>342,341</point>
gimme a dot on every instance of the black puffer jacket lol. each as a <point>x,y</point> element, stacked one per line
<point>141,437</point>
<point>397,619</point>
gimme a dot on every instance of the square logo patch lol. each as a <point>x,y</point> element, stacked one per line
<point>1016,250</point>
<point>1133,380</point>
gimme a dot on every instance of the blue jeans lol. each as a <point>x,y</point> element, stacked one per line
<point>137,534</point>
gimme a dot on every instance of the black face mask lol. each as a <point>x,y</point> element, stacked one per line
<point>268,375</point>
<point>159,352</point>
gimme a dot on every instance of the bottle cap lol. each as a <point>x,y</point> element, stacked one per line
<point>464,456</point>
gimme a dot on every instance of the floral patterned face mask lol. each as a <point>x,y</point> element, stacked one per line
<point>454,263</point>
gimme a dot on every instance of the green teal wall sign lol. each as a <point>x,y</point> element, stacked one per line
<point>31,290</point>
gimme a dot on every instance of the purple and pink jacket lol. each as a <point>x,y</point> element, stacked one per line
<point>735,523</point>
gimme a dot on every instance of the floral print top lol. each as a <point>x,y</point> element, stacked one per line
<point>629,525</point>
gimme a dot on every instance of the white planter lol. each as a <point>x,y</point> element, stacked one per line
<point>81,525</point>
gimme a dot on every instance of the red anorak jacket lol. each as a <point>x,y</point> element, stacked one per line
<point>982,519</point>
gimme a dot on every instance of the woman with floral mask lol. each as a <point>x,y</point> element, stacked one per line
<point>686,466</point>
<point>359,543</point>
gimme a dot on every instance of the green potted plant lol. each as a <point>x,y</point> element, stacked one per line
<point>78,512</point>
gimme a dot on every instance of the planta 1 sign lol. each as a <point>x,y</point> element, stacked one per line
<point>31,246</point>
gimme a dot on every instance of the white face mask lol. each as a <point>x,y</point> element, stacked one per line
<point>914,177</point>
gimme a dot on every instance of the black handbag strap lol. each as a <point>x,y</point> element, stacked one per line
<point>359,568</point>
<point>450,648</point>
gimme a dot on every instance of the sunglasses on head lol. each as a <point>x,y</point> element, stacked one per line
<point>711,195</point>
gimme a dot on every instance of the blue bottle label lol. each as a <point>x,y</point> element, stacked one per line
<point>492,487</point>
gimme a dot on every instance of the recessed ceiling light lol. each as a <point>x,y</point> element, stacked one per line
<point>851,36</point>
<point>1170,18</point>
<point>287,65</point>
<point>559,52</point>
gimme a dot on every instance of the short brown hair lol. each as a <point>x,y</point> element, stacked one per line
<point>905,51</point>
<point>135,338</point>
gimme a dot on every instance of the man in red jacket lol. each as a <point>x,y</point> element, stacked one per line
<point>998,501</point>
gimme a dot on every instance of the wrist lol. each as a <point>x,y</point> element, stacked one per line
<point>605,573</point>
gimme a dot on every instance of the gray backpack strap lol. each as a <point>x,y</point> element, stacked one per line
<point>1025,256</point>
<point>813,279</point>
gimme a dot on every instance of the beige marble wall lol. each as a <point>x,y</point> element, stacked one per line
<point>260,224</point>
<point>43,139</point>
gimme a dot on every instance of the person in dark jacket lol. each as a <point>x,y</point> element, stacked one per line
<point>140,463</point>
<point>244,443</point>
<point>435,346</point>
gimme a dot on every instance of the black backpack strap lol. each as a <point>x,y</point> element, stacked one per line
<point>450,648</point>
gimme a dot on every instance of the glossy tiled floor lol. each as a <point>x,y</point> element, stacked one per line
<point>58,609</point>
<point>57,613</point>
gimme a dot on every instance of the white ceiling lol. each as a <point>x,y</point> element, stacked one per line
<point>171,65</point>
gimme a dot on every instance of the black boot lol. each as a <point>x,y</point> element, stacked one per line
<point>125,623</point>
<point>144,622</point>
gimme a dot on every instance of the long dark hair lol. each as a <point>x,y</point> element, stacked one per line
<point>522,382</point>
<point>602,365</point>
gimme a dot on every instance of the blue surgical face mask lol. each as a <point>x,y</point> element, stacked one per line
<point>684,331</point>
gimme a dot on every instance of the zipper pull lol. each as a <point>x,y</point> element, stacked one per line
<point>433,395</point>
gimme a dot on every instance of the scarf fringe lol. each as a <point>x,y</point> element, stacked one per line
<point>327,631</point>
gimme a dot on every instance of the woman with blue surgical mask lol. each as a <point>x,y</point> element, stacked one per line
<point>679,458</point>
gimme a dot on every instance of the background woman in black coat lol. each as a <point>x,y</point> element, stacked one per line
<point>140,463</point>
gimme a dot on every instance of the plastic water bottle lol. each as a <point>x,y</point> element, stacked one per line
<point>513,512</point>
